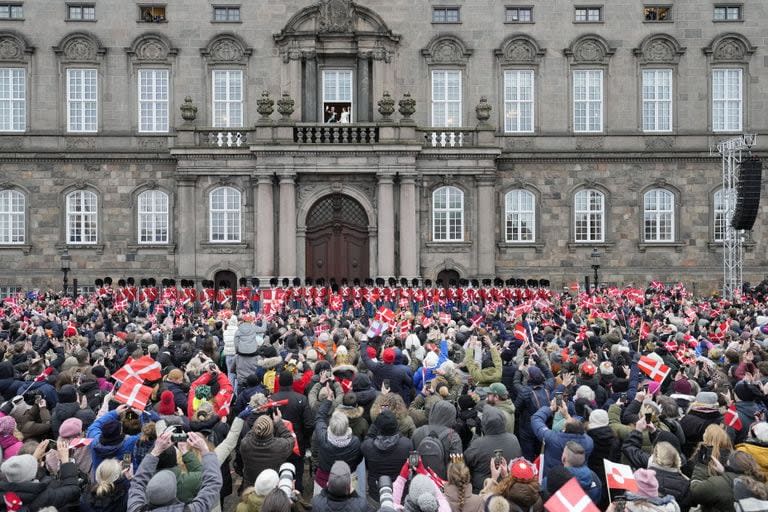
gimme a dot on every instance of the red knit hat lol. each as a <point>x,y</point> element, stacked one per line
<point>588,368</point>
<point>12,501</point>
<point>166,406</point>
<point>521,469</point>
<point>388,355</point>
<point>371,352</point>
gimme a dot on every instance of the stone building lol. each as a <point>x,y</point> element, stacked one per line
<point>200,139</point>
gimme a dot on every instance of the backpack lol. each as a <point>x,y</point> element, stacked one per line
<point>433,453</point>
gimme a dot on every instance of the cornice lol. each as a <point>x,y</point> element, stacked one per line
<point>617,157</point>
<point>16,158</point>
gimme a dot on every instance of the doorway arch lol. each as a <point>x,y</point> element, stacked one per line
<point>447,275</point>
<point>336,242</point>
<point>225,279</point>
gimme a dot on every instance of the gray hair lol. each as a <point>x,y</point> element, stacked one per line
<point>585,392</point>
<point>339,424</point>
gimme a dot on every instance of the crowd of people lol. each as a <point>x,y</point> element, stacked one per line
<point>472,397</point>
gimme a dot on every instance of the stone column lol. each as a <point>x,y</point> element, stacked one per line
<point>363,89</point>
<point>409,239</point>
<point>486,227</point>
<point>386,222</point>
<point>310,88</point>
<point>265,227</point>
<point>287,236</point>
<point>186,239</point>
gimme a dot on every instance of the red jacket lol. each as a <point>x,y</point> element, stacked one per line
<point>222,399</point>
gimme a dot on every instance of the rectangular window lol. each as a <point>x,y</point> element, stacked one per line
<point>726,100</point>
<point>226,14</point>
<point>152,14</point>
<point>657,13</point>
<point>727,13</point>
<point>9,290</point>
<point>227,98</point>
<point>11,12</point>
<point>153,100</point>
<point>337,95</point>
<point>588,100</point>
<point>81,12</point>
<point>519,15</point>
<point>657,100</point>
<point>446,98</point>
<point>518,101</point>
<point>82,100</point>
<point>589,14</point>
<point>445,15</point>
<point>13,100</point>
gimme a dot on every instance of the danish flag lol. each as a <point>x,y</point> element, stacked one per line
<point>570,498</point>
<point>445,318</point>
<point>385,315</point>
<point>426,322</point>
<point>521,333</point>
<point>144,368</point>
<point>656,370</point>
<point>732,418</point>
<point>619,476</point>
<point>134,394</point>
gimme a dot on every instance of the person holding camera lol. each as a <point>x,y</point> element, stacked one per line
<point>267,445</point>
<point>334,441</point>
<point>109,440</point>
<point>221,392</point>
<point>32,415</point>
<point>494,441</point>
<point>299,413</point>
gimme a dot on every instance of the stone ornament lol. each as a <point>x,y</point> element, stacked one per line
<point>407,107</point>
<point>447,50</point>
<point>285,106</point>
<point>659,48</point>
<point>590,49</point>
<point>336,16</point>
<point>483,110</point>
<point>188,110</point>
<point>10,49</point>
<point>265,106</point>
<point>227,48</point>
<point>519,50</point>
<point>386,106</point>
<point>730,48</point>
<point>80,47</point>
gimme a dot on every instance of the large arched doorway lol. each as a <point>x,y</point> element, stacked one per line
<point>225,279</point>
<point>337,239</point>
<point>447,276</point>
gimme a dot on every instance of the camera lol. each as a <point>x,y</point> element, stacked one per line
<point>179,437</point>
<point>287,474</point>
<point>386,499</point>
<point>413,459</point>
<point>497,454</point>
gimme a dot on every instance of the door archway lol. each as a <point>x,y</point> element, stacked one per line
<point>225,279</point>
<point>337,239</point>
<point>447,275</point>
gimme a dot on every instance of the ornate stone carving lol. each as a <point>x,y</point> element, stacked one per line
<point>265,106</point>
<point>730,48</point>
<point>381,53</point>
<point>407,107</point>
<point>590,49</point>
<point>659,51</point>
<point>80,48</point>
<point>151,47</point>
<point>153,143</point>
<point>659,143</point>
<point>519,143</point>
<point>447,50</point>
<point>386,106</point>
<point>285,106</point>
<point>188,110</point>
<point>10,49</point>
<point>519,49</point>
<point>336,16</point>
<point>659,48</point>
<point>483,110</point>
<point>227,48</point>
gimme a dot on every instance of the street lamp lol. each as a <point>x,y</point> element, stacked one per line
<point>66,262</point>
<point>595,264</point>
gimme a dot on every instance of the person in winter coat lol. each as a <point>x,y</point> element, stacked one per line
<point>606,446</point>
<point>267,445</point>
<point>467,421</point>
<point>298,412</point>
<point>757,446</point>
<point>334,442</point>
<point>68,407</point>
<point>338,495</point>
<point>385,450</point>
<point>109,441</point>
<point>715,493</point>
<point>174,382</point>
<point>33,419</point>
<point>253,386</point>
<point>229,349</point>
<point>394,403</point>
<point>20,478</point>
<point>458,491</point>
<point>110,492</point>
<point>574,460</point>
<point>648,496</point>
<point>537,393</point>
<point>400,381</point>
<point>517,483</point>
<point>9,443</point>
<point>220,392</point>
<point>704,412</point>
<point>666,462</point>
<point>554,442</point>
<point>8,383</point>
<point>749,400</point>
<point>247,342</point>
<point>718,443</point>
<point>482,449</point>
<point>483,376</point>
<point>157,491</point>
<point>354,414</point>
<point>252,498</point>
<point>424,496</point>
<point>442,417</point>
<point>365,393</point>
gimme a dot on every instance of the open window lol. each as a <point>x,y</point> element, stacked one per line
<point>337,96</point>
<point>152,14</point>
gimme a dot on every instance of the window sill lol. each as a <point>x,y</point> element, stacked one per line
<point>588,22</point>
<point>225,22</point>
<point>446,23</point>
<point>715,246</point>
<point>25,248</point>
<point>573,246</point>
<point>728,21</point>
<point>134,247</point>
<point>152,22</point>
<point>98,248</point>
<point>658,21</point>
<point>519,22</point>
<point>81,21</point>
<point>224,247</point>
<point>538,246</point>
<point>678,246</point>
<point>11,19</point>
<point>450,246</point>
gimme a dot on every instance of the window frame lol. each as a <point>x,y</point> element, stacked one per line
<point>154,101</point>
<point>352,85</point>
<point>715,7</point>
<point>11,6</point>
<point>508,102</point>
<point>94,214</point>
<point>225,211</point>
<point>69,100</point>
<point>12,100</point>
<point>658,213</point>
<point>81,6</point>
<point>448,210</point>
<point>8,217</point>
<point>655,101</point>
<point>532,213</point>
<point>228,8</point>
<point>142,8</point>
<point>741,100</point>
<point>668,7</point>
<point>228,102</point>
<point>574,72</point>
<point>154,216</point>
<point>518,8</point>
<point>589,212</point>
<point>460,101</point>
<point>444,9</point>
<point>587,9</point>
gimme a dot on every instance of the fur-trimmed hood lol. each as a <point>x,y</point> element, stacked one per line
<point>270,362</point>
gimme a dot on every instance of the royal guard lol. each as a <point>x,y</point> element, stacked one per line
<point>472,291</point>
<point>367,297</point>
<point>119,292</point>
<point>308,296</point>
<point>427,296</point>
<point>189,294</point>
<point>207,295</point>
<point>321,295</point>
<point>268,298</point>
<point>109,291</point>
<point>243,294</point>
<point>131,292</point>
<point>416,295</point>
<point>255,294</point>
<point>376,295</point>
<point>388,293</point>
<point>152,292</point>
<point>439,295</point>
<point>167,294</point>
<point>335,301</point>
<point>224,295</point>
<point>357,297</point>
<point>297,297</point>
<point>346,294</point>
<point>99,292</point>
<point>141,295</point>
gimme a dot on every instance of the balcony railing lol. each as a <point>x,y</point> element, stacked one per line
<point>448,137</point>
<point>336,133</point>
<point>221,138</point>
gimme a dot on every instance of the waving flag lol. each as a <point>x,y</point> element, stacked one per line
<point>134,394</point>
<point>656,370</point>
<point>521,333</point>
<point>144,368</point>
<point>385,315</point>
<point>619,476</point>
<point>732,418</point>
<point>570,498</point>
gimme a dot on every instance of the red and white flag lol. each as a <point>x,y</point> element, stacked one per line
<point>134,394</point>
<point>521,332</point>
<point>426,322</point>
<point>570,498</point>
<point>619,476</point>
<point>144,368</point>
<point>732,418</point>
<point>445,318</point>
<point>385,315</point>
<point>656,370</point>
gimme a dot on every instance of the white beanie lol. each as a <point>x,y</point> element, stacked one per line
<point>266,482</point>
<point>412,341</point>
<point>598,418</point>
<point>430,361</point>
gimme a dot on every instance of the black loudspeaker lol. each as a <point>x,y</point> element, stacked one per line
<point>748,190</point>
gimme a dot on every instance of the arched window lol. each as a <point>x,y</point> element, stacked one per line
<point>720,216</point>
<point>12,210</point>
<point>589,216</point>
<point>659,216</point>
<point>520,216</point>
<point>225,215</point>
<point>82,217</point>
<point>448,215</point>
<point>153,217</point>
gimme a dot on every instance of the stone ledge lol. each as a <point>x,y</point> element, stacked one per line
<point>450,246</point>
<point>99,248</point>
<point>538,246</point>
<point>715,246</point>
<point>224,247</point>
<point>133,247</point>
<point>25,248</point>
<point>608,246</point>
<point>643,246</point>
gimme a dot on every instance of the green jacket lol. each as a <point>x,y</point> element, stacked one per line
<point>484,376</point>
<point>508,408</point>
<point>713,493</point>
<point>187,484</point>
<point>622,431</point>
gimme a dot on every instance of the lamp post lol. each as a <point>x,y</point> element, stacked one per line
<point>595,264</point>
<point>66,262</point>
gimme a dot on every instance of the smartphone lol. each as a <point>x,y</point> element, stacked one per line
<point>126,461</point>
<point>526,359</point>
<point>413,459</point>
<point>497,458</point>
<point>648,417</point>
<point>705,454</point>
<point>559,399</point>
<point>385,383</point>
<point>623,397</point>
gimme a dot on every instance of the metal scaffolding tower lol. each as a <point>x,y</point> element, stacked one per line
<point>731,151</point>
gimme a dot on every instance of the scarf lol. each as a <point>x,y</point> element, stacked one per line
<point>340,441</point>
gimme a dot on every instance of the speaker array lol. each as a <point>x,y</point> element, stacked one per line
<point>748,190</point>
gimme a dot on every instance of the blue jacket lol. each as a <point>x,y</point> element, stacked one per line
<point>554,442</point>
<point>426,375</point>
<point>588,481</point>
<point>100,451</point>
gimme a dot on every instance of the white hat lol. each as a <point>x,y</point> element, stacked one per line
<point>762,320</point>
<point>598,418</point>
<point>430,360</point>
<point>761,431</point>
<point>266,482</point>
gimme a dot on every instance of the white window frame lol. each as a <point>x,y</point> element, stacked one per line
<point>654,100</point>
<point>456,212</point>
<point>521,9</point>
<point>658,215</point>
<point>155,99</point>
<point>588,12</point>
<point>14,11</point>
<point>589,214</point>
<point>727,9</point>
<point>81,96</point>
<point>588,102</point>
<point>230,233</point>
<point>81,16</point>
<point>13,106</point>
<point>446,122</point>
<point>516,219</point>
<point>226,9</point>
<point>81,218</point>
<point>515,104</point>
<point>152,210</point>
<point>230,103</point>
<point>13,209</point>
<point>333,94</point>
<point>444,10</point>
<point>728,101</point>
<point>719,216</point>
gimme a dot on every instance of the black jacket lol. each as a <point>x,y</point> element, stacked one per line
<point>64,411</point>
<point>298,412</point>
<point>694,424</point>
<point>116,501</point>
<point>327,502</point>
<point>384,455</point>
<point>675,484</point>
<point>180,394</point>
<point>61,493</point>
<point>327,452</point>
<point>607,446</point>
<point>399,380</point>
